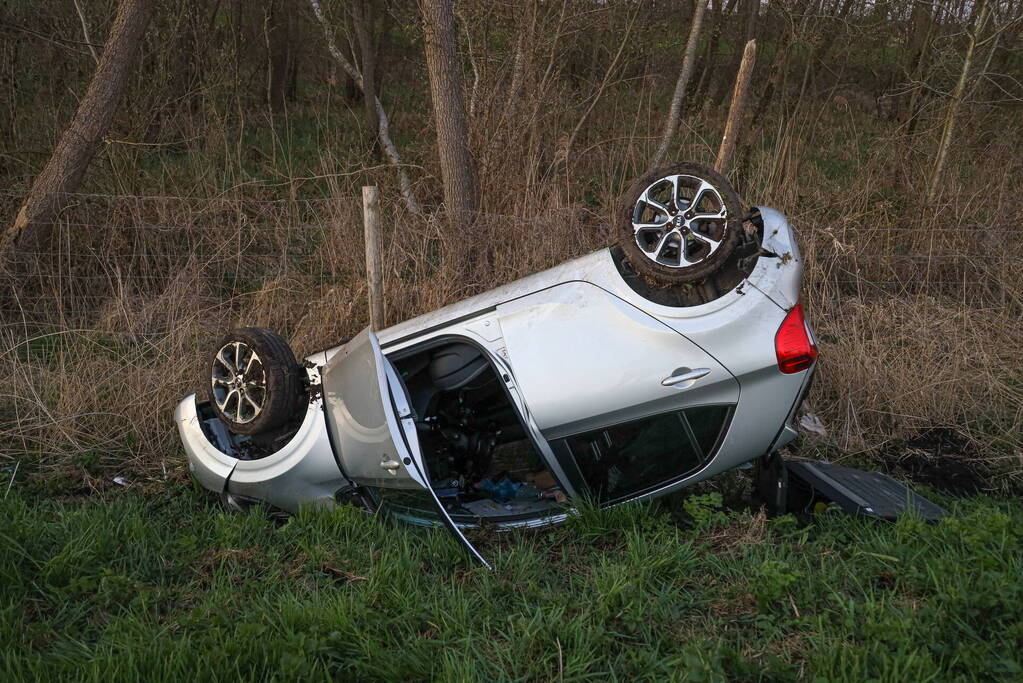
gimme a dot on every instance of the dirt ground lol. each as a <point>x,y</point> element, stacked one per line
<point>944,460</point>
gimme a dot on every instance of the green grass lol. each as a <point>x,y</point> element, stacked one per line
<point>163,585</point>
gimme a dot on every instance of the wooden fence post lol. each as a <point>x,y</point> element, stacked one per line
<point>374,267</point>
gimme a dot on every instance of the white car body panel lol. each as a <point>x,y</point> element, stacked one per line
<point>304,472</point>
<point>210,466</point>
<point>574,352</point>
<point>579,349</point>
<point>360,417</point>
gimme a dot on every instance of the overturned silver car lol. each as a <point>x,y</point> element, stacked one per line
<point>603,377</point>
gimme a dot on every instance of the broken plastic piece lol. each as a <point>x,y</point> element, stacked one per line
<point>812,424</point>
<point>864,493</point>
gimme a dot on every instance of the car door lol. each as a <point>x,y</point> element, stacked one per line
<point>586,360</point>
<point>372,427</point>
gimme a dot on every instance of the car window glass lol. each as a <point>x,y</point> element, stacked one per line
<point>410,505</point>
<point>706,422</point>
<point>627,458</point>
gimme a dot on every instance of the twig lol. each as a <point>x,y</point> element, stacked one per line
<point>85,32</point>
<point>603,85</point>
<point>11,482</point>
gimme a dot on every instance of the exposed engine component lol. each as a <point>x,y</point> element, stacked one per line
<point>463,417</point>
<point>462,440</point>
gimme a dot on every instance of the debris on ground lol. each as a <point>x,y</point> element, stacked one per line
<point>811,424</point>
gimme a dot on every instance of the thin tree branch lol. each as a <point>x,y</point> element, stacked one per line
<point>85,31</point>
<point>384,131</point>
<point>953,106</point>
<point>603,85</point>
<point>688,61</point>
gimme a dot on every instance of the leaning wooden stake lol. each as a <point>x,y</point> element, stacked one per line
<point>374,267</point>
<point>735,112</point>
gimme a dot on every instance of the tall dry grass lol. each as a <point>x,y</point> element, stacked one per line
<point>916,308</point>
<point>113,328</point>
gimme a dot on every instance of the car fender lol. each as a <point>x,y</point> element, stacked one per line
<point>779,273</point>
<point>210,466</point>
<point>303,472</point>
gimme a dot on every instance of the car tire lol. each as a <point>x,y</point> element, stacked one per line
<point>723,230</point>
<point>771,483</point>
<point>253,381</point>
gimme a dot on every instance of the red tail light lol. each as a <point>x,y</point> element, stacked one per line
<point>795,348</point>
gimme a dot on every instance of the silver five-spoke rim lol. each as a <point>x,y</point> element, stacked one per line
<point>679,221</point>
<point>239,382</point>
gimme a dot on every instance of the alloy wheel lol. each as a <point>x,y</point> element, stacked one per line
<point>239,382</point>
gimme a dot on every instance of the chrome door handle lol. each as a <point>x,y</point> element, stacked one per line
<point>685,375</point>
<point>390,465</point>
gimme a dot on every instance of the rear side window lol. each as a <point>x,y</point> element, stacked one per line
<point>627,459</point>
<point>706,423</point>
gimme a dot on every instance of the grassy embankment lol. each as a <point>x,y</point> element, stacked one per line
<point>915,304</point>
<point>147,586</point>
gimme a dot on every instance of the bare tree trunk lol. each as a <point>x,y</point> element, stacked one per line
<point>920,48</point>
<point>282,53</point>
<point>63,172</point>
<point>384,129</point>
<point>776,70</point>
<point>717,12</point>
<point>675,113</point>
<point>445,72</point>
<point>737,109</point>
<point>752,14</point>
<point>920,20</point>
<point>711,89</point>
<point>738,16</point>
<point>362,18</point>
<point>953,106</point>
<point>827,38</point>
